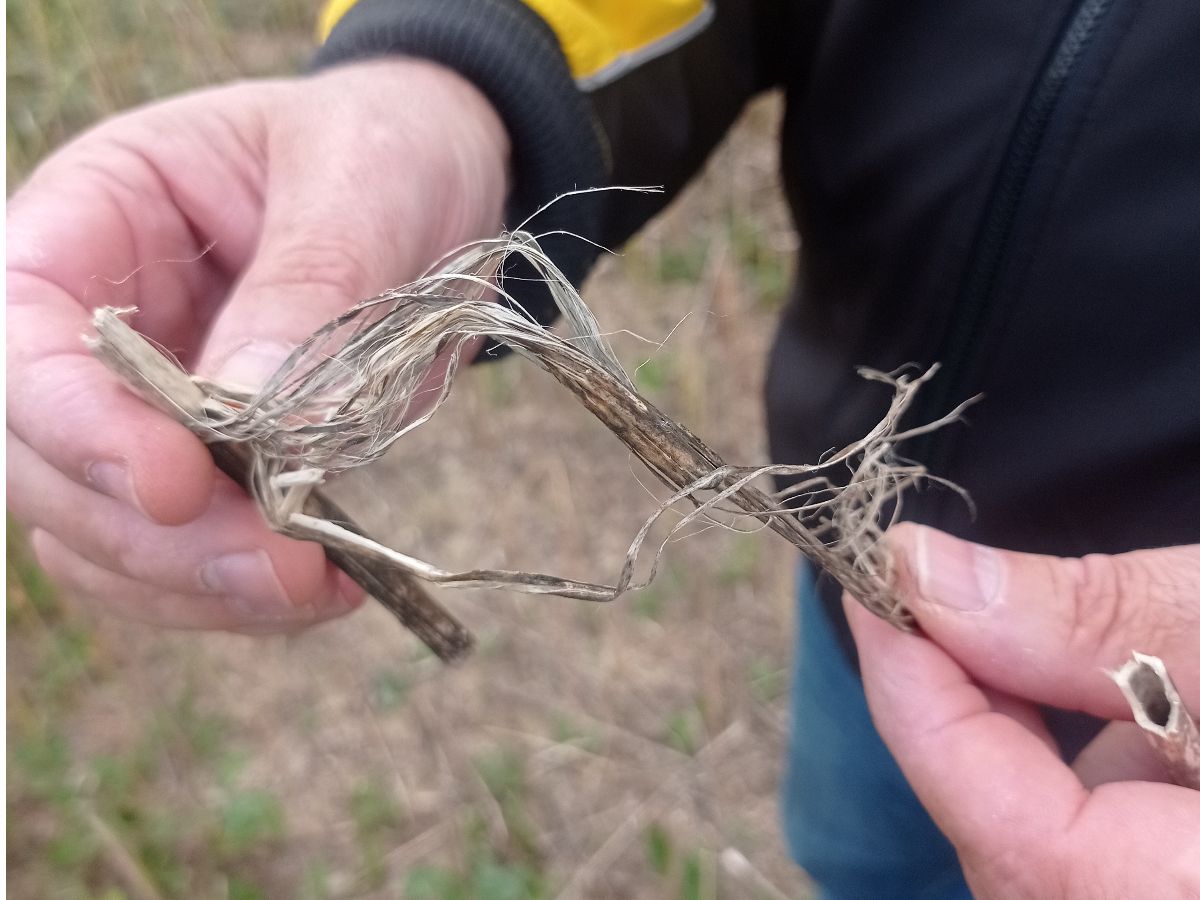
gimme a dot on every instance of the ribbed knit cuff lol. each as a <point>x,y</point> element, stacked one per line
<point>513,57</point>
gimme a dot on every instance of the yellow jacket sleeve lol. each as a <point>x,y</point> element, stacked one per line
<point>601,39</point>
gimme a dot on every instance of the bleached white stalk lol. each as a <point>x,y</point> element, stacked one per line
<point>1160,712</point>
<point>355,387</point>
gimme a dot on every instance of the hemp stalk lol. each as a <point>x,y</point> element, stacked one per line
<point>357,385</point>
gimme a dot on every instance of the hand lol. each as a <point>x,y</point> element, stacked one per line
<point>313,193</point>
<point>956,708</point>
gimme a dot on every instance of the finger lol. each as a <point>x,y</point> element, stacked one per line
<point>228,550</point>
<point>1133,839</point>
<point>979,772</point>
<point>156,209</point>
<point>143,603</point>
<point>1020,820</point>
<point>94,226</point>
<point>339,224</point>
<point>336,230</point>
<point>1023,713</point>
<point>84,423</point>
<point>1119,753</point>
<point>1048,629</point>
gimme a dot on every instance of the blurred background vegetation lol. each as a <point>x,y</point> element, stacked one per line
<point>622,751</point>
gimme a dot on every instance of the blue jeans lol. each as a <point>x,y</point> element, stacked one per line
<point>852,821</point>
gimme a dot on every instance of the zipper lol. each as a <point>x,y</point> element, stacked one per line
<point>989,254</point>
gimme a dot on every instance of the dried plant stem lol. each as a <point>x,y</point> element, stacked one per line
<point>1160,712</point>
<point>684,462</point>
<point>155,377</point>
<point>362,381</point>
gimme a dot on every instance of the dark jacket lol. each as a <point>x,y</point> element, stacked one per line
<point>1012,189</point>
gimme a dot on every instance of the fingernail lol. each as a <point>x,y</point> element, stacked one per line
<point>252,364</point>
<point>957,574</point>
<point>112,478</point>
<point>250,582</point>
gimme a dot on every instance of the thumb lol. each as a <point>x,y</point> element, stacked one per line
<point>316,258</point>
<point>339,223</point>
<point>1048,629</point>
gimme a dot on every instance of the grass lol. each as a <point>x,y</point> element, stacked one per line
<point>683,874</point>
<point>684,729</point>
<point>347,763</point>
<point>93,814</point>
<point>71,63</point>
<point>483,877</point>
<point>389,690</point>
<point>109,812</point>
<point>377,819</point>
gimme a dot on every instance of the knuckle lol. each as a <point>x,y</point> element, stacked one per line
<point>111,166</point>
<point>1099,606</point>
<point>1129,601</point>
<point>1167,583</point>
<point>68,384</point>
<point>327,266</point>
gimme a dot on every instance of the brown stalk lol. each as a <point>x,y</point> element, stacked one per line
<point>353,388</point>
<point>164,384</point>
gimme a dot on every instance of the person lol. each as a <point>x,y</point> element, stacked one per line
<point>1008,189</point>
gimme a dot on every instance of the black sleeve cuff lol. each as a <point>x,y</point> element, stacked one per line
<point>513,57</point>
